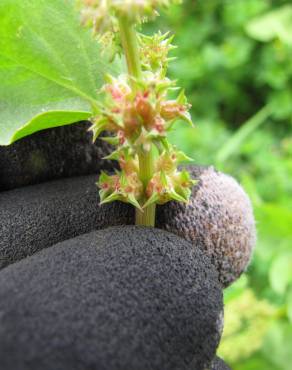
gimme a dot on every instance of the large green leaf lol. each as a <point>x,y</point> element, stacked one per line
<point>50,67</point>
<point>276,23</point>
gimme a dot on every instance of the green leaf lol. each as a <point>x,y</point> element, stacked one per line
<point>153,199</point>
<point>277,23</point>
<point>115,155</point>
<point>182,157</point>
<point>98,127</point>
<point>289,305</point>
<point>274,219</point>
<point>113,140</point>
<point>110,198</point>
<point>280,101</point>
<point>276,346</point>
<point>175,196</point>
<point>186,117</point>
<point>50,67</point>
<point>233,144</point>
<point>132,200</point>
<point>281,273</point>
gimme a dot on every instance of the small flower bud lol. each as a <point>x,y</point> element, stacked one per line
<point>159,125</point>
<point>123,187</point>
<point>144,108</point>
<point>171,110</point>
<point>154,51</point>
<point>161,190</point>
<point>128,164</point>
<point>130,120</point>
<point>115,92</point>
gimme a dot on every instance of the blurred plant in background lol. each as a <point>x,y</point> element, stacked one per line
<point>235,60</point>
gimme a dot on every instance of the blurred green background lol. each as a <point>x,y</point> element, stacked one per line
<point>235,61</point>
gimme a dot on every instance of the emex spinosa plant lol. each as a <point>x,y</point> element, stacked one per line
<point>137,110</point>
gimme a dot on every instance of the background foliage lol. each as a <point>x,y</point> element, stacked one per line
<point>235,60</point>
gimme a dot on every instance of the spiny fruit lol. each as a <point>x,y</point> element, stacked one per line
<point>219,218</point>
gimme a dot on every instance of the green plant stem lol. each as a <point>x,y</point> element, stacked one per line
<point>131,48</point>
<point>146,158</point>
<point>146,169</point>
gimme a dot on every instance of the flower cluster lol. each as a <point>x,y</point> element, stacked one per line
<point>154,51</point>
<point>138,9</point>
<point>136,108</point>
<point>137,118</point>
<point>102,17</point>
<point>124,187</point>
<point>101,13</point>
<point>167,182</point>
